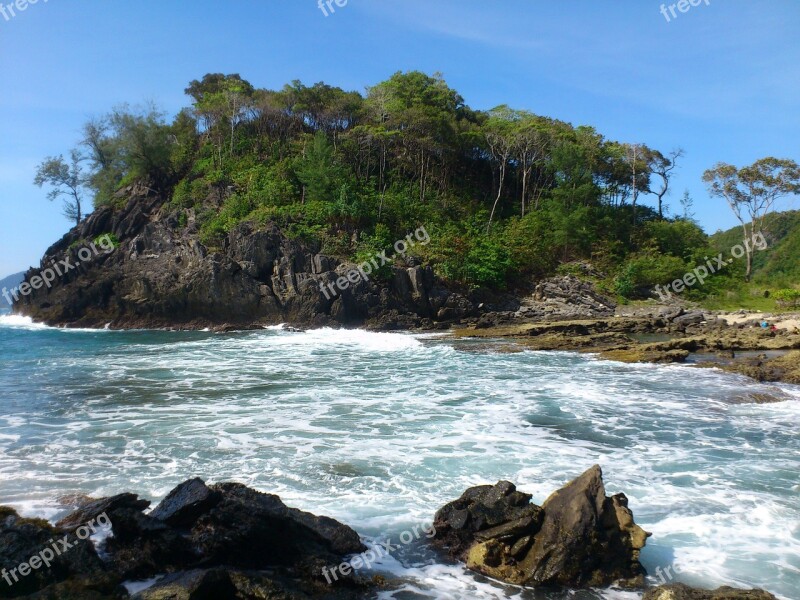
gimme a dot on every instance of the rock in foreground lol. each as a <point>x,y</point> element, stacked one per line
<point>220,541</point>
<point>679,591</point>
<point>580,537</point>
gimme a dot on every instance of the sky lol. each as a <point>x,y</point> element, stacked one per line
<point>721,81</point>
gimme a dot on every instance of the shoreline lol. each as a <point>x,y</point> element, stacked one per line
<point>732,342</point>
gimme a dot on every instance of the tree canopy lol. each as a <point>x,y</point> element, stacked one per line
<point>508,195</point>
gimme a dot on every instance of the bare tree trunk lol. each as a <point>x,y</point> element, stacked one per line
<point>499,193</point>
<point>748,251</point>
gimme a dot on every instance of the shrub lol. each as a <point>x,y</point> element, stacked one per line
<point>643,271</point>
<point>787,298</point>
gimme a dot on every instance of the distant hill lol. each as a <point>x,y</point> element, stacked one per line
<point>9,283</point>
<point>779,264</point>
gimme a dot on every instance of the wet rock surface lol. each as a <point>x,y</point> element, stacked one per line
<point>220,541</point>
<point>580,537</point>
<point>661,335</point>
<point>679,591</point>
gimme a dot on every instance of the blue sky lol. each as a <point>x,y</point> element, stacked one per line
<point>721,81</point>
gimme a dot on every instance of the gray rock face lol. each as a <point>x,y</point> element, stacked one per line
<point>162,276</point>
<point>587,538</point>
<point>580,537</point>
<point>184,505</point>
<point>566,297</point>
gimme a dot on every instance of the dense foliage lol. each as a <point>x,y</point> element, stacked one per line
<point>506,195</point>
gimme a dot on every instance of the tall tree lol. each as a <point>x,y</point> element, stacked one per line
<point>66,179</point>
<point>532,142</point>
<point>221,101</point>
<point>663,167</point>
<point>751,193</point>
<point>499,133</point>
<point>636,157</point>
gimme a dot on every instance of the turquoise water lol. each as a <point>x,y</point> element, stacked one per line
<point>379,430</point>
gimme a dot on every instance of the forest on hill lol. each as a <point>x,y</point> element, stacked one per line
<point>507,196</point>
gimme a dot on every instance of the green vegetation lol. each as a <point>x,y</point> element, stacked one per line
<point>107,239</point>
<point>788,298</point>
<point>506,195</point>
<point>751,193</point>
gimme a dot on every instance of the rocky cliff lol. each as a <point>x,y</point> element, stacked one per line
<point>158,274</point>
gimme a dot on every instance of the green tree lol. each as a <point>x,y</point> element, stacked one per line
<point>663,167</point>
<point>318,171</point>
<point>221,103</point>
<point>751,193</point>
<point>66,179</point>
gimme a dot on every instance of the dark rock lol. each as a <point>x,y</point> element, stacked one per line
<point>481,509</point>
<point>143,546</point>
<point>191,585</point>
<point>691,318</point>
<point>586,539</point>
<point>223,583</point>
<point>161,276</point>
<point>186,503</point>
<point>226,541</point>
<point>249,529</point>
<point>679,591</point>
<point>579,538</point>
<point>22,539</point>
<point>94,509</point>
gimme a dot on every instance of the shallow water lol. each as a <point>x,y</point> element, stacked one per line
<point>379,430</point>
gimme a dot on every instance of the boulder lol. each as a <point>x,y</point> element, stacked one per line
<point>95,508</point>
<point>222,583</point>
<point>186,503</point>
<point>587,538</point>
<point>692,318</point>
<point>491,510</point>
<point>679,591</point>
<point>191,585</point>
<point>71,559</point>
<point>249,529</point>
<point>222,541</point>
<point>580,537</point>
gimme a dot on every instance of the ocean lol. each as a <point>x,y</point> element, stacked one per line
<point>379,430</point>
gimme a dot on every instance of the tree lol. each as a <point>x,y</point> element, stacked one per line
<point>531,144</point>
<point>636,158</point>
<point>687,203</point>
<point>751,193</point>
<point>663,167</point>
<point>221,102</point>
<point>318,171</point>
<point>500,139</point>
<point>66,179</point>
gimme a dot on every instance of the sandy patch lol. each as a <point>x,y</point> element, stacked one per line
<point>787,322</point>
